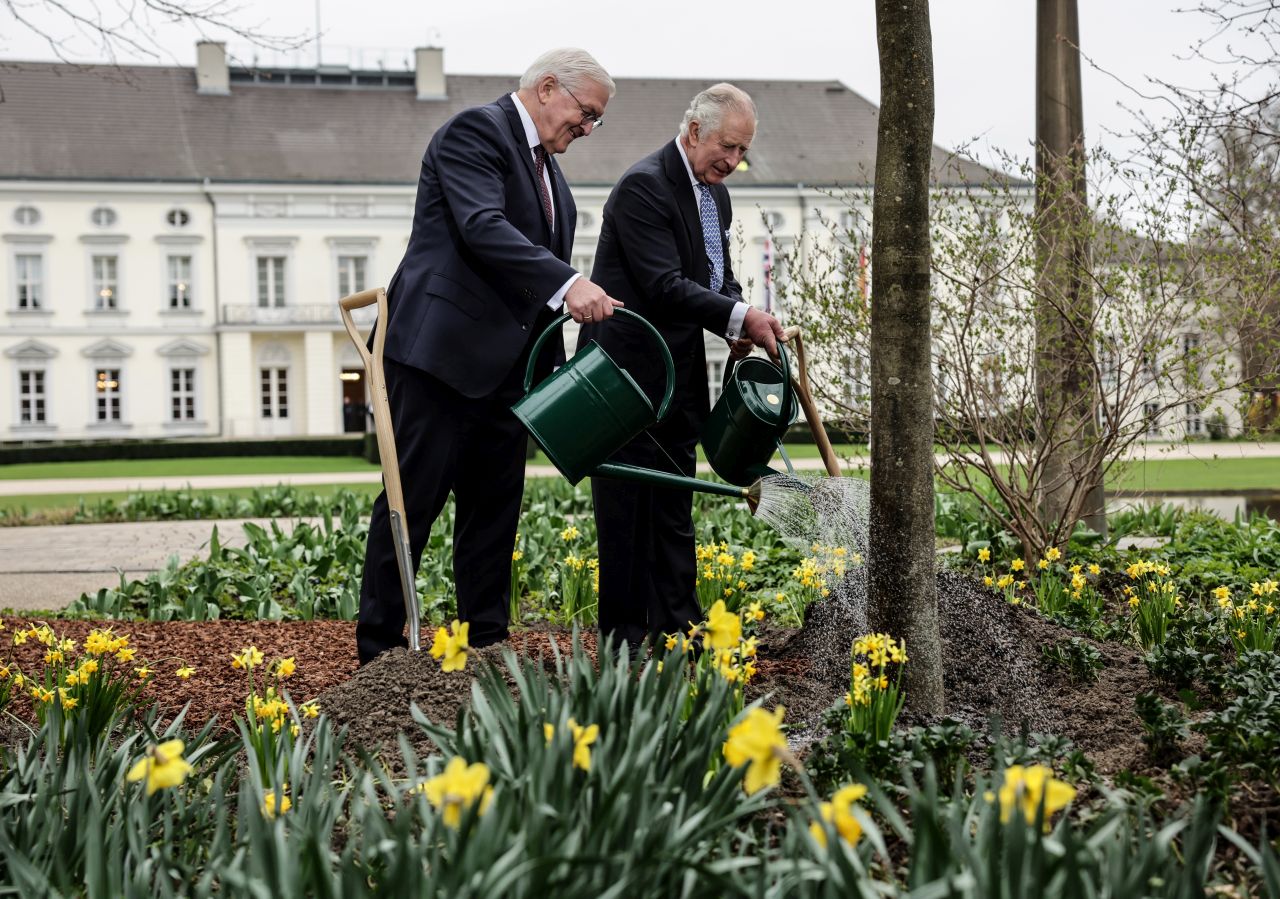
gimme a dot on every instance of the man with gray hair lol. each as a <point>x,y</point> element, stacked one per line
<point>664,251</point>
<point>486,268</point>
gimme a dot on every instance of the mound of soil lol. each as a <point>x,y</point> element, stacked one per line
<point>993,666</point>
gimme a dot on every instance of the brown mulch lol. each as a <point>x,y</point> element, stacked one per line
<point>993,666</point>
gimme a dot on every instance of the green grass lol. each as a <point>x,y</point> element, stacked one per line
<point>1176,475</point>
<point>142,468</point>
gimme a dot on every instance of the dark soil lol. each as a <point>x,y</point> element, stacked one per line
<point>993,666</point>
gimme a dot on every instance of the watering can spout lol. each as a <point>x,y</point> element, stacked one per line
<point>619,471</point>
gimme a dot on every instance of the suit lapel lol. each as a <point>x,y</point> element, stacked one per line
<point>683,192</point>
<point>522,150</point>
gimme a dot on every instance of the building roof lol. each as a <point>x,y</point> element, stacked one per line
<point>147,123</point>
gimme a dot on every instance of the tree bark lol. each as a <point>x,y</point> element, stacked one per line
<point>1065,372</point>
<point>902,596</point>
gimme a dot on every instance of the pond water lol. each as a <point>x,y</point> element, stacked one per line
<point>1224,505</point>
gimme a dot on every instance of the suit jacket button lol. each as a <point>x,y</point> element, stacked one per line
<point>524,327</point>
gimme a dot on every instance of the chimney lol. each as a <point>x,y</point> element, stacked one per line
<point>212,75</point>
<point>429,68</point>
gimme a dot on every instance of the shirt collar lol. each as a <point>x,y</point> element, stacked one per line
<point>688,169</point>
<point>530,129</point>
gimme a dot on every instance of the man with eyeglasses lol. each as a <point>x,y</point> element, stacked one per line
<point>486,268</point>
<point>664,251</point>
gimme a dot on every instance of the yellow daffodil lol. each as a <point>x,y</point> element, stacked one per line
<point>184,672</point>
<point>1017,564</point>
<point>310,710</point>
<point>1053,554</point>
<point>273,806</point>
<point>569,533</point>
<point>984,555</point>
<point>757,742</point>
<point>748,560</point>
<point>459,787</point>
<point>87,667</point>
<point>671,642</point>
<point>1094,569</point>
<point>248,658</point>
<point>450,646</point>
<point>988,580</point>
<point>583,737</point>
<point>1025,788</point>
<point>755,612</point>
<point>142,673</point>
<point>163,766</point>
<point>724,628</point>
<point>839,811</point>
<point>1042,564</point>
<point>286,667</point>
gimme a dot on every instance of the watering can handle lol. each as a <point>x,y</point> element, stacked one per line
<point>667,363</point>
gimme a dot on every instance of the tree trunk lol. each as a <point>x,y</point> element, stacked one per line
<point>903,580</point>
<point>1065,371</point>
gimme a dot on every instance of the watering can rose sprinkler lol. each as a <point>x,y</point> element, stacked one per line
<point>590,407</point>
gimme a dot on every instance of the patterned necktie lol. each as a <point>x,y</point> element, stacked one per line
<point>540,164</point>
<point>711,235</point>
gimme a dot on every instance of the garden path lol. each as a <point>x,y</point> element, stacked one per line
<point>47,566</point>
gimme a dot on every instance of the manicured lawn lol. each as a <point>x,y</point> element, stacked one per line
<point>1174,475</point>
<point>141,468</point>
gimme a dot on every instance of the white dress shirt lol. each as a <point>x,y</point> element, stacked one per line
<point>739,312</point>
<point>531,135</point>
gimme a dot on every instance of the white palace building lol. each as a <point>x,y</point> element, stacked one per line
<point>173,240</point>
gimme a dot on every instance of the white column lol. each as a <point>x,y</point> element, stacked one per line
<point>238,377</point>
<point>321,396</point>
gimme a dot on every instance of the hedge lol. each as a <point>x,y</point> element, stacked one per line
<point>181,449</point>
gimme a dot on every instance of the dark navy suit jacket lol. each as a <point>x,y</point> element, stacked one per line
<point>482,261</point>
<point>651,256</point>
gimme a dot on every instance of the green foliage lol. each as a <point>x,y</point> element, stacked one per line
<point>180,449</point>
<point>1245,732</point>
<point>1164,726</point>
<point>1078,658</point>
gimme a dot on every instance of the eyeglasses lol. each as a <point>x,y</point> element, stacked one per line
<point>587,115</point>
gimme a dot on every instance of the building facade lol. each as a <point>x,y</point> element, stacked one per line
<point>175,239</point>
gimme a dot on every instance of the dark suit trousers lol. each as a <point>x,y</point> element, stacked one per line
<point>476,449</point>
<point>647,552</point>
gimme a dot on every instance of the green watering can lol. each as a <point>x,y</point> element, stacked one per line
<point>590,407</point>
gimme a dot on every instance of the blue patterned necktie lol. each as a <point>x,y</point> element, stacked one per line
<point>711,235</point>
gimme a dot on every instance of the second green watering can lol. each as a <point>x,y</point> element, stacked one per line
<point>590,407</point>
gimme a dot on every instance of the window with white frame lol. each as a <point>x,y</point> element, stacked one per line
<point>274,392</point>
<point>31,396</point>
<point>26,215</point>
<point>182,394</point>
<point>1190,344</point>
<point>271,281</point>
<point>178,218</point>
<point>1151,415</point>
<point>351,274</point>
<point>29,279</point>
<point>582,263</point>
<point>179,278</point>
<point>106,281</point>
<point>107,395</point>
<point>1195,419</point>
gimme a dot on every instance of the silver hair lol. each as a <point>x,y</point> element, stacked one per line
<point>709,107</point>
<point>571,67</point>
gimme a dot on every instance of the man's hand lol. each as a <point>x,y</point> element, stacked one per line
<point>763,330</point>
<point>740,348</point>
<point>586,301</point>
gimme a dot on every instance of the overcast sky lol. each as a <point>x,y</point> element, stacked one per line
<point>983,49</point>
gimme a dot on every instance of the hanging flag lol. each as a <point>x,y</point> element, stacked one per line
<point>768,273</point>
<point>863,286</point>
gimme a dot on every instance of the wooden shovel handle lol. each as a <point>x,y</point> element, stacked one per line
<point>800,382</point>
